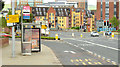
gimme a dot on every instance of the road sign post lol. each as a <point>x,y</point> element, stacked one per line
<point>13,33</point>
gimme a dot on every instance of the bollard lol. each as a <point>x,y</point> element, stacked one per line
<point>56,36</point>
<point>31,26</point>
<point>73,35</point>
<point>81,35</point>
<point>112,35</point>
<point>103,33</point>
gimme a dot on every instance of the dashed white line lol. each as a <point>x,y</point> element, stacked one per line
<point>98,45</point>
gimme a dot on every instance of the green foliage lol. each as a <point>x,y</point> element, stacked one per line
<point>49,38</point>
<point>3,23</point>
<point>118,30</point>
<point>77,28</point>
<point>114,21</point>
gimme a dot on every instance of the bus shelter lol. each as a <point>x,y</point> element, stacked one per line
<point>31,38</point>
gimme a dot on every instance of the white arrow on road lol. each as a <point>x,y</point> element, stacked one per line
<point>70,52</point>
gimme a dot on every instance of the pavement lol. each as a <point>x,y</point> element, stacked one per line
<point>45,57</point>
<point>84,51</point>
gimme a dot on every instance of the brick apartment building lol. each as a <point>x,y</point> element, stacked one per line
<point>32,3</point>
<point>107,9</point>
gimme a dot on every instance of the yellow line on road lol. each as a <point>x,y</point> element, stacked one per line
<point>86,60</point>
<point>83,63</point>
<point>114,63</point>
<point>80,60</point>
<point>89,59</point>
<point>77,60</point>
<point>99,63</point>
<point>95,62</point>
<point>76,64</point>
<point>71,60</point>
<point>108,60</point>
<point>89,63</point>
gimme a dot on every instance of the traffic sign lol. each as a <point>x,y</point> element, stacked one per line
<point>26,12</point>
<point>44,27</point>
<point>12,18</point>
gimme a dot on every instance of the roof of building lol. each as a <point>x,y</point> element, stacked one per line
<point>42,11</point>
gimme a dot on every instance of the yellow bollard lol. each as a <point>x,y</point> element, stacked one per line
<point>81,35</point>
<point>25,26</point>
<point>112,35</point>
<point>56,36</point>
<point>31,26</point>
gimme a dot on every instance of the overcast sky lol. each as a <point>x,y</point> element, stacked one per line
<point>90,2</point>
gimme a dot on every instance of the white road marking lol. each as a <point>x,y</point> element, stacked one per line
<point>73,52</point>
<point>98,44</point>
<point>66,51</point>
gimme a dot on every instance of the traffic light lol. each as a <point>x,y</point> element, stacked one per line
<point>49,25</point>
<point>107,23</point>
<point>104,23</point>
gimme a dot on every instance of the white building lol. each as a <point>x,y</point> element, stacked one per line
<point>60,3</point>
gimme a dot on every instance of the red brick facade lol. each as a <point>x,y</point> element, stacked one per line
<point>111,9</point>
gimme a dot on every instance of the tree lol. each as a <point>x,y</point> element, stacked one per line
<point>3,23</point>
<point>1,5</point>
<point>115,22</point>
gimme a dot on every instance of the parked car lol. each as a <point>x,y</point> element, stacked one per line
<point>45,31</point>
<point>94,34</point>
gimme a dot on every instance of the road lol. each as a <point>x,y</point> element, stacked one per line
<point>84,51</point>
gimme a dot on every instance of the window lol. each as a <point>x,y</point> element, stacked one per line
<point>65,9</point>
<point>114,3</point>
<point>52,21</point>
<point>52,14</point>
<point>53,18</point>
<point>37,13</point>
<point>36,9</point>
<point>49,17</point>
<point>40,17</point>
<point>52,25</point>
<point>39,9</point>
<point>43,9</point>
<point>44,13</point>
<point>114,9</point>
<point>106,10</point>
<point>40,13</point>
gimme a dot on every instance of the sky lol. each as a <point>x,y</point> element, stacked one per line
<point>90,2</point>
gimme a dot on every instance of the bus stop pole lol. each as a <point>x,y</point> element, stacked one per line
<point>13,33</point>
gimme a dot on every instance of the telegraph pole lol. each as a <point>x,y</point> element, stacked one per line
<point>13,33</point>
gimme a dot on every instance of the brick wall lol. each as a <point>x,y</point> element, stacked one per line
<point>4,41</point>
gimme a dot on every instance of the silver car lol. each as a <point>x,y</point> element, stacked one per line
<point>94,34</point>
